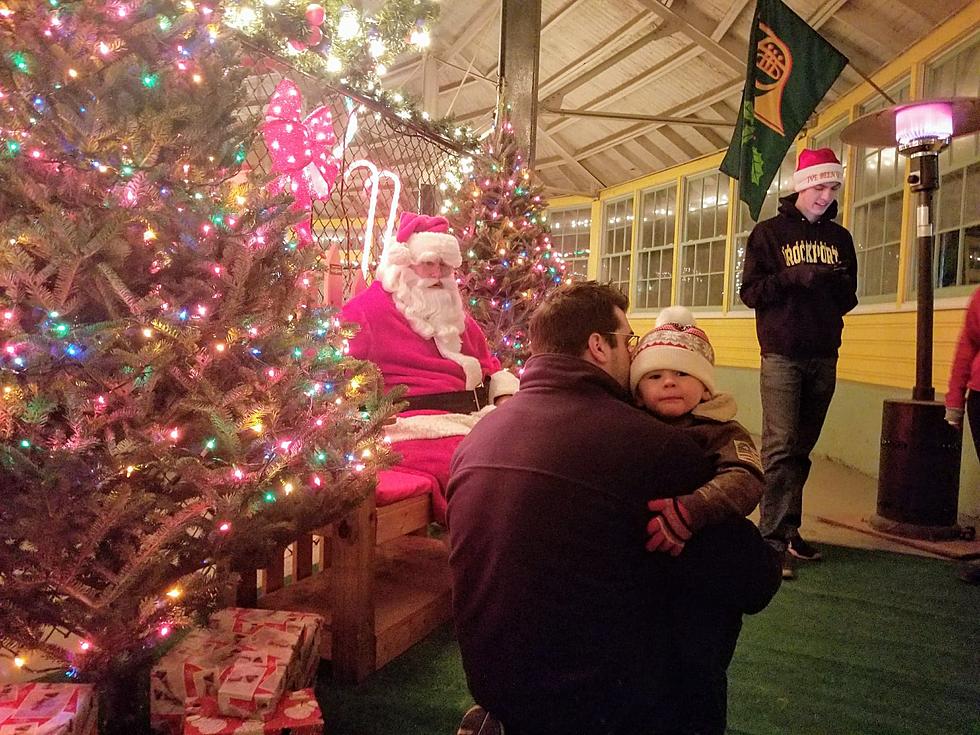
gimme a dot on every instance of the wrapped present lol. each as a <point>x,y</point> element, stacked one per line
<point>253,686</point>
<point>297,712</point>
<point>264,629</point>
<point>190,669</point>
<point>207,661</point>
<point>37,708</point>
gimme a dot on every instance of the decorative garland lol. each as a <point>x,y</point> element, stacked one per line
<point>334,40</point>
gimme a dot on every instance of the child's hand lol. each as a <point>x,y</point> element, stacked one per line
<point>669,528</point>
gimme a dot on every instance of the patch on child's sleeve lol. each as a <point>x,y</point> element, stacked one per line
<point>747,452</point>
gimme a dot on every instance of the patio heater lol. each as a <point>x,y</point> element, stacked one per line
<point>919,466</point>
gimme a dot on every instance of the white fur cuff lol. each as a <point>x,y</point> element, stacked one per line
<point>503,383</point>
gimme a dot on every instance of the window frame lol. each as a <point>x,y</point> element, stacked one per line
<point>719,234</point>
<point>645,253</point>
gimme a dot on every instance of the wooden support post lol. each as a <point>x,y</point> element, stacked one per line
<point>275,572</point>
<point>352,629</point>
<point>520,49</point>
<point>303,559</point>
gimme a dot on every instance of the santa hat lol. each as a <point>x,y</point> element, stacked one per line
<point>675,344</point>
<point>422,238</point>
<point>819,166</point>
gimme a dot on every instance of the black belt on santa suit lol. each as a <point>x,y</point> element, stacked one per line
<point>461,401</point>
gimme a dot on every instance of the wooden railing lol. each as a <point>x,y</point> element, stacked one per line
<point>377,577</point>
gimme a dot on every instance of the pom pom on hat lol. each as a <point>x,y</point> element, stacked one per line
<point>819,166</point>
<point>676,343</point>
<point>421,238</point>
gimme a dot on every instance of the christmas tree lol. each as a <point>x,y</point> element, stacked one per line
<point>510,265</point>
<point>173,402</point>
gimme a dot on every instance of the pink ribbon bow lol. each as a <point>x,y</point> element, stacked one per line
<point>301,149</point>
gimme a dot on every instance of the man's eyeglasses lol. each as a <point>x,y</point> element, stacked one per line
<point>632,339</point>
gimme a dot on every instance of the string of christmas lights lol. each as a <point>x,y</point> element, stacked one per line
<point>496,208</point>
<point>173,399</point>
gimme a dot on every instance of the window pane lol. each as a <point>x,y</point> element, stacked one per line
<point>570,237</point>
<point>889,269</point>
<point>872,273</point>
<point>716,286</point>
<point>893,218</point>
<point>693,229</point>
<point>971,247</point>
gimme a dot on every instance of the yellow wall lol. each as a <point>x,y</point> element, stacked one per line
<point>879,338</point>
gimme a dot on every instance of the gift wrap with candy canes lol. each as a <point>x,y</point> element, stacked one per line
<point>35,708</point>
<point>245,661</point>
<point>297,712</point>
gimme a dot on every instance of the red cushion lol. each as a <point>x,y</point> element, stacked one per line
<point>395,485</point>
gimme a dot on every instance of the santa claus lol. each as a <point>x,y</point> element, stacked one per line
<point>414,327</point>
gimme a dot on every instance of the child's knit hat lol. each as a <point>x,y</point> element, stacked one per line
<point>675,344</point>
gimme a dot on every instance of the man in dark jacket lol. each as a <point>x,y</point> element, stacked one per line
<point>565,622</point>
<point>800,276</point>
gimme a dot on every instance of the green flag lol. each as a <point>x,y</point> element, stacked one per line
<point>790,69</point>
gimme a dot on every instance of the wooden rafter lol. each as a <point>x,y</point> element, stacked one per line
<point>711,97</point>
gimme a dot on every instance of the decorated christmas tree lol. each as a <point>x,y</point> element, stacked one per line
<point>510,265</point>
<point>173,401</point>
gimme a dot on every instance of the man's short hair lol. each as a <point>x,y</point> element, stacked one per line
<point>571,313</point>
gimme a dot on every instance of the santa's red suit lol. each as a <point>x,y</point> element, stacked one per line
<point>427,365</point>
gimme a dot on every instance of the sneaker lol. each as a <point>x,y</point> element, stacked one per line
<point>477,721</point>
<point>799,548</point>
<point>789,568</point>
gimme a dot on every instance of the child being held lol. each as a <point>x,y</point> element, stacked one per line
<point>673,377</point>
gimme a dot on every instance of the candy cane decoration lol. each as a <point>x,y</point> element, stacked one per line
<point>396,184</point>
<point>375,180</point>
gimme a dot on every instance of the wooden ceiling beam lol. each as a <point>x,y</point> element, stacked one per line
<point>680,142</point>
<point>695,29</point>
<point>568,158</point>
<point>711,97</point>
<point>600,57</point>
<point>666,66</point>
<point>664,159</point>
<point>728,19</point>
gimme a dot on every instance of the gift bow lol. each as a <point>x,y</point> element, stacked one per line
<point>301,149</point>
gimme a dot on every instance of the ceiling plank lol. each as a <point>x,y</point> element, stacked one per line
<point>662,157</point>
<point>477,23</point>
<point>604,100</point>
<point>717,94</point>
<point>561,13</point>
<point>825,12</point>
<point>728,19</point>
<point>680,142</point>
<point>588,66</point>
<point>568,158</point>
<point>699,36</point>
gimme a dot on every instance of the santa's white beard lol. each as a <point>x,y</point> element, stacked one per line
<point>432,312</point>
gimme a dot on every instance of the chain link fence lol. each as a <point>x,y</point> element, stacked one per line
<point>365,131</point>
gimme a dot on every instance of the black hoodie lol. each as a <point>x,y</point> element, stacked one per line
<point>801,278</point>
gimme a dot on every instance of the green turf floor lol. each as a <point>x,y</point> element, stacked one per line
<point>863,643</point>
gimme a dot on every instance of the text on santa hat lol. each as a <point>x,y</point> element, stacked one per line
<point>821,177</point>
<point>809,251</point>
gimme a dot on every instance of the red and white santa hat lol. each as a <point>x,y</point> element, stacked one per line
<point>819,166</point>
<point>422,238</point>
<point>675,344</point>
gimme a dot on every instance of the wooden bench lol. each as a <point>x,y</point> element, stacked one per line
<point>376,576</point>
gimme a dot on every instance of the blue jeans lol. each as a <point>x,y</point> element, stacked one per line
<point>795,397</point>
